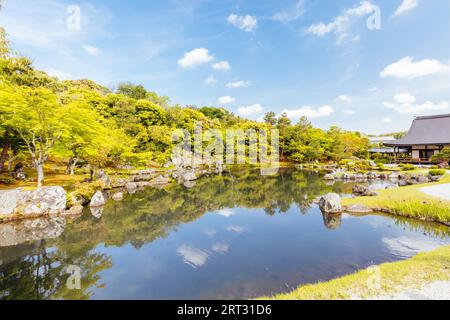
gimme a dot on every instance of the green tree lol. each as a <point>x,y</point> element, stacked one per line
<point>270,118</point>
<point>37,117</point>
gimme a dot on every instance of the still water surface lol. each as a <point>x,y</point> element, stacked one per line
<point>239,235</point>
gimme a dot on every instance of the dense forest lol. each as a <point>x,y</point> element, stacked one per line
<point>85,123</point>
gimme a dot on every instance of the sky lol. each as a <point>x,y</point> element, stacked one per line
<point>369,66</point>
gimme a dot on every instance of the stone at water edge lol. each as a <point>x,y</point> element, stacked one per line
<point>364,191</point>
<point>47,200</point>
<point>117,196</point>
<point>97,200</point>
<point>131,187</point>
<point>329,177</point>
<point>358,208</point>
<point>75,211</point>
<point>330,203</point>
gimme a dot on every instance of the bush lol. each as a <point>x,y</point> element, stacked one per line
<point>434,167</point>
<point>437,172</point>
<point>6,180</point>
<point>86,190</point>
<point>407,167</point>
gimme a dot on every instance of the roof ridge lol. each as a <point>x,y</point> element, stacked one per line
<point>433,117</point>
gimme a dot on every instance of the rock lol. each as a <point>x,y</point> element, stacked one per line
<point>435,178</point>
<point>47,200</point>
<point>75,200</point>
<point>372,164</point>
<point>422,179</point>
<point>159,181</point>
<point>363,191</point>
<point>360,177</point>
<point>183,176</point>
<point>392,186</point>
<point>330,203</point>
<point>443,165</point>
<point>358,208</point>
<point>189,184</point>
<point>402,183</point>
<point>347,176</point>
<point>131,187</point>
<point>372,176</point>
<point>9,200</point>
<point>383,176</point>
<point>74,211</point>
<point>117,196</point>
<point>329,177</point>
<point>102,176</point>
<point>118,183</point>
<point>98,200</point>
<point>15,233</point>
<point>393,176</point>
<point>143,184</point>
<point>18,172</point>
<point>146,172</point>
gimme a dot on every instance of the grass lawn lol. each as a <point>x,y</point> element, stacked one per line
<point>409,202</point>
<point>382,280</point>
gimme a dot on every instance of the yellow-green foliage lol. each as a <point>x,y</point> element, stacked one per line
<point>437,172</point>
<point>85,191</point>
<point>393,277</point>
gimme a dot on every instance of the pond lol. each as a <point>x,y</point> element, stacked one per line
<point>239,235</point>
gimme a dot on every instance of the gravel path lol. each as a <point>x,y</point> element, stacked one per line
<point>433,291</point>
<point>439,191</point>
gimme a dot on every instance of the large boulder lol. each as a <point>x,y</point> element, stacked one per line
<point>98,200</point>
<point>330,203</point>
<point>364,191</point>
<point>47,200</point>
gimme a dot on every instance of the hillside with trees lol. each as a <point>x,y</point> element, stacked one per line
<point>84,124</point>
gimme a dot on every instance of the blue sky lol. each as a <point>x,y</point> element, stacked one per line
<point>309,57</point>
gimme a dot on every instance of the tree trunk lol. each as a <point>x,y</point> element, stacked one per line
<point>4,155</point>
<point>69,166</point>
<point>73,166</point>
<point>40,173</point>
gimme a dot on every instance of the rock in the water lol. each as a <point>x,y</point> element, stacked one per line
<point>131,187</point>
<point>118,183</point>
<point>358,208</point>
<point>183,176</point>
<point>330,203</point>
<point>97,212</point>
<point>159,181</point>
<point>363,191</point>
<point>74,211</point>
<point>98,200</point>
<point>329,177</point>
<point>47,200</point>
<point>117,196</point>
<point>393,176</point>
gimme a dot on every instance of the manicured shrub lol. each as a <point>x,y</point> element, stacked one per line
<point>6,180</point>
<point>407,167</point>
<point>437,172</point>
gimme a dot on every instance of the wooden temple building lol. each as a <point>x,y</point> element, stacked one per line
<point>427,137</point>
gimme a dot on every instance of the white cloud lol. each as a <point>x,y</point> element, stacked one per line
<point>349,112</point>
<point>222,66</point>
<point>226,100</point>
<point>386,120</point>
<point>210,80</point>
<point>292,14</point>
<point>93,51</point>
<point>236,229</point>
<point>373,89</point>
<point>225,213</point>
<point>195,58</point>
<point>345,98</point>
<point>250,110</point>
<point>407,68</point>
<point>309,112</point>
<point>220,248</point>
<point>406,6</point>
<point>193,256</point>
<point>247,23</point>
<point>406,103</point>
<point>238,84</point>
<point>340,24</point>
<point>61,75</point>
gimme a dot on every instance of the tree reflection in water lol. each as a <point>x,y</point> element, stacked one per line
<point>34,265</point>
